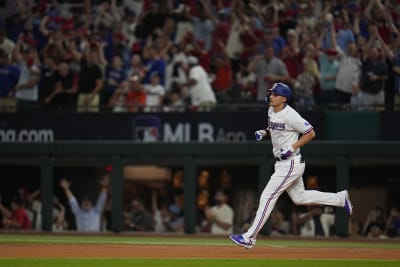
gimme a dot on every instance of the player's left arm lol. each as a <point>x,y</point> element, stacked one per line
<point>304,139</point>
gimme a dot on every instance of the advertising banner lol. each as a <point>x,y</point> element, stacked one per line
<point>138,127</point>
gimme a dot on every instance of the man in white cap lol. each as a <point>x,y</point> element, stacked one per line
<point>201,95</point>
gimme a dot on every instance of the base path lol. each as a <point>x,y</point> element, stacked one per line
<point>176,251</point>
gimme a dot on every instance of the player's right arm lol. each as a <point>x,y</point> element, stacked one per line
<point>260,134</point>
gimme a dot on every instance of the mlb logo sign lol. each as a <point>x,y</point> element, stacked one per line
<point>146,128</point>
<point>146,134</point>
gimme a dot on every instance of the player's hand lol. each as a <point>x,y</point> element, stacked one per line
<point>260,134</point>
<point>286,152</point>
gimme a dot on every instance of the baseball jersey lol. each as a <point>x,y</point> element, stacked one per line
<point>285,127</point>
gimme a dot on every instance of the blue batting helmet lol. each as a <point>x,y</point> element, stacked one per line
<point>282,90</point>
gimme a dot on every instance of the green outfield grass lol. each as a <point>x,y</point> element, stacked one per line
<point>192,263</point>
<point>185,240</point>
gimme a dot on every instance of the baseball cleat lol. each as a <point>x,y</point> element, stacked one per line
<point>241,241</point>
<point>347,204</point>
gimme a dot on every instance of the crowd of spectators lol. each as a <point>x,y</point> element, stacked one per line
<point>150,55</point>
<point>23,212</point>
<point>160,210</point>
<point>319,221</point>
<point>377,224</point>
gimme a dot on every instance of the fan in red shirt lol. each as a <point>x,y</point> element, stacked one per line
<point>17,218</point>
<point>130,96</point>
<point>202,54</point>
<point>221,32</point>
<point>223,71</point>
<point>292,62</point>
<point>223,74</point>
<point>250,37</point>
<point>136,97</point>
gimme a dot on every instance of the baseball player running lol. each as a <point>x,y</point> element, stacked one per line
<point>284,126</point>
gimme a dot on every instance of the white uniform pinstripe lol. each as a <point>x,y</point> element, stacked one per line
<point>285,127</point>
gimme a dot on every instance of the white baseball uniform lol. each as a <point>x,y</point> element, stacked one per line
<point>285,127</point>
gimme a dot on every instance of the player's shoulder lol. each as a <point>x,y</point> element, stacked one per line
<point>286,111</point>
<point>290,114</point>
<point>289,110</point>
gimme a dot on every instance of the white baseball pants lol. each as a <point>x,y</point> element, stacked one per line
<point>288,177</point>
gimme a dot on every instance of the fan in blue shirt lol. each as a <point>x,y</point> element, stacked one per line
<point>9,75</point>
